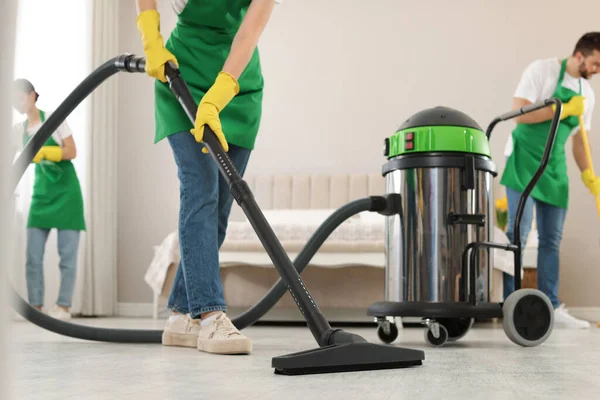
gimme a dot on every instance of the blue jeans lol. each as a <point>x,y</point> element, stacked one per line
<point>205,204</point>
<point>68,246</point>
<point>550,221</point>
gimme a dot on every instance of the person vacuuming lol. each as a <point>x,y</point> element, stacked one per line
<point>567,80</point>
<point>57,202</point>
<point>214,45</point>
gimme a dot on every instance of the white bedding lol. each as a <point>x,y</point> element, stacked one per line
<point>297,226</point>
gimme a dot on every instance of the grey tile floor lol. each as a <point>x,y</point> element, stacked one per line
<point>483,365</point>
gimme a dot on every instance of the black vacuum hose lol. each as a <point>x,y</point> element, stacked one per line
<point>129,63</point>
<point>253,314</point>
<point>245,319</point>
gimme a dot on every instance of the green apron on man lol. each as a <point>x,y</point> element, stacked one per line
<point>529,142</point>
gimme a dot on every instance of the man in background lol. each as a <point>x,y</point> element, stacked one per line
<point>566,79</point>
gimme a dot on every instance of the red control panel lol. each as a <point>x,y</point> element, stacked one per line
<point>409,143</point>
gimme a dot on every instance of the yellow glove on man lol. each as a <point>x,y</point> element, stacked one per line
<point>51,153</point>
<point>573,107</point>
<point>148,24</point>
<point>214,101</point>
<point>591,181</point>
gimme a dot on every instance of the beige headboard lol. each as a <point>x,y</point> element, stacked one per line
<point>317,191</point>
<point>310,191</point>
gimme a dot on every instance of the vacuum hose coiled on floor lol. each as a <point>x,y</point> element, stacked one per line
<point>129,63</point>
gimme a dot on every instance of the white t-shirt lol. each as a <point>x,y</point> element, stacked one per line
<point>59,134</point>
<point>538,82</point>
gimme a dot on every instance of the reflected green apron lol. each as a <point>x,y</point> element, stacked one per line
<point>529,142</point>
<point>201,42</point>
<point>57,201</point>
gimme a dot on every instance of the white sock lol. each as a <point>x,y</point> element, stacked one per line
<point>208,320</point>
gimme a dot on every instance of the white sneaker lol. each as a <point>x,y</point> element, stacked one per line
<point>59,313</point>
<point>564,320</point>
<point>181,330</point>
<point>218,335</point>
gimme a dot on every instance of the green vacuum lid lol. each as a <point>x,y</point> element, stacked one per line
<point>438,129</point>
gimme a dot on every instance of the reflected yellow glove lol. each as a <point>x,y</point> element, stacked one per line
<point>573,107</point>
<point>591,181</point>
<point>214,101</point>
<point>148,24</point>
<point>51,153</point>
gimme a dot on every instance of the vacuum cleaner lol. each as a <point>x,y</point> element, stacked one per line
<point>338,350</point>
<point>439,253</point>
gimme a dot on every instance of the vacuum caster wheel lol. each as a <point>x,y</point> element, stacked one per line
<point>528,317</point>
<point>457,327</point>
<point>436,334</point>
<point>387,332</point>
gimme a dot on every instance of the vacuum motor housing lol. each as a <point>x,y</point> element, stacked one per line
<point>439,162</point>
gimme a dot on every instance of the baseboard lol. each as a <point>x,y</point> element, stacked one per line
<point>134,310</point>
<point>588,313</point>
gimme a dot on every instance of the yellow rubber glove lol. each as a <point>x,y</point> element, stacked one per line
<point>591,181</point>
<point>573,107</point>
<point>51,153</point>
<point>148,24</point>
<point>214,101</point>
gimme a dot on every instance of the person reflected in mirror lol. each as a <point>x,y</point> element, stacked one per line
<point>56,202</point>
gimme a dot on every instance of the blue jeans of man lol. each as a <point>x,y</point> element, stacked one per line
<point>68,246</point>
<point>550,221</point>
<point>205,204</point>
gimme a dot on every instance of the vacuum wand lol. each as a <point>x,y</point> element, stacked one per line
<point>317,323</point>
<point>588,155</point>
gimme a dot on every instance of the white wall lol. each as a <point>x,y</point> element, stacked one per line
<point>341,75</point>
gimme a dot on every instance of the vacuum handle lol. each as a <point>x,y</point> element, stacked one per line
<point>182,92</point>
<point>524,110</point>
<point>466,219</point>
<point>130,63</point>
<point>538,173</point>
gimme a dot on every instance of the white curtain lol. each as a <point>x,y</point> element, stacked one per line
<point>55,57</point>
<point>100,276</point>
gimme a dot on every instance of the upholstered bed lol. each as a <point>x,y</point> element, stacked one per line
<point>345,276</point>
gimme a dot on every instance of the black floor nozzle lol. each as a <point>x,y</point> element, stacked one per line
<point>347,352</point>
<point>347,357</point>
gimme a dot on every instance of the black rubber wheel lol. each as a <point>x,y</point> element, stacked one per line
<point>456,327</point>
<point>528,317</point>
<point>436,341</point>
<point>387,332</point>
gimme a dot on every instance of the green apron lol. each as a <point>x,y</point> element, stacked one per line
<point>201,42</point>
<point>529,141</point>
<point>57,201</point>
